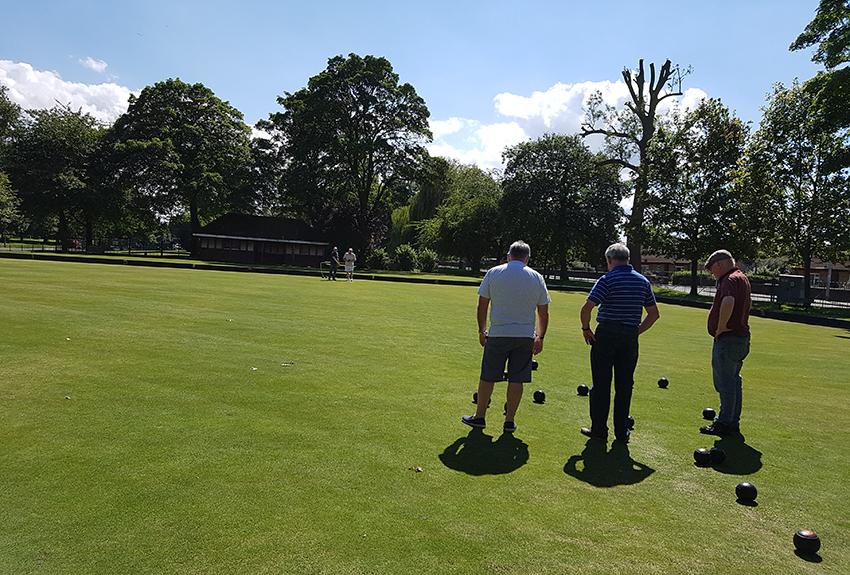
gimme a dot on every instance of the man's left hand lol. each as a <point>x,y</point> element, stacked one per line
<point>538,345</point>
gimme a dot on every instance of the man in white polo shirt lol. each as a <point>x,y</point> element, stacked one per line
<point>512,291</point>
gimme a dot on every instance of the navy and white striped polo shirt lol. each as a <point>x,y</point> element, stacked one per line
<point>622,294</point>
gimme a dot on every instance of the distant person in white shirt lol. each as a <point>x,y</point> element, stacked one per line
<point>512,291</point>
<point>349,258</point>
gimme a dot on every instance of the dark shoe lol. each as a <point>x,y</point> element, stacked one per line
<point>623,438</point>
<point>509,427</point>
<point>717,428</point>
<point>473,421</point>
<point>586,431</point>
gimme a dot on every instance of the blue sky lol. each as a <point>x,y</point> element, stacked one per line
<point>477,64</point>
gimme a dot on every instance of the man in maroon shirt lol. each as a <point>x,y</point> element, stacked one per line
<point>728,324</point>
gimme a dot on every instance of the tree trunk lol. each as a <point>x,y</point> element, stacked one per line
<point>89,234</point>
<point>694,277</point>
<point>635,239</point>
<point>807,280</point>
<point>194,224</point>
<point>562,262</point>
<point>62,231</point>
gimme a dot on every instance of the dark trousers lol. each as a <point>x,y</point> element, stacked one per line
<point>332,275</point>
<point>616,349</point>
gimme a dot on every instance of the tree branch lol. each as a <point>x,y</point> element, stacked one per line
<point>610,133</point>
<point>619,162</point>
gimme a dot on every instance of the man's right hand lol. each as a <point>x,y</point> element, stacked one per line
<point>482,338</point>
<point>589,336</point>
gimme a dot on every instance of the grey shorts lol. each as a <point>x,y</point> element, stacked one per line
<point>515,351</point>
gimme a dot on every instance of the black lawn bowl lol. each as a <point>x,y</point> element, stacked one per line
<point>475,399</point>
<point>806,542</point>
<point>582,390</point>
<point>534,365</point>
<point>505,376</point>
<point>746,492</point>
<point>539,396</point>
<point>631,421</point>
<point>718,456</point>
<point>709,414</point>
<point>702,457</point>
<point>663,383</point>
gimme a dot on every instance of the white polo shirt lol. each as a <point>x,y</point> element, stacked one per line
<point>514,290</point>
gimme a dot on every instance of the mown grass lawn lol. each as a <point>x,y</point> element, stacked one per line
<point>185,421</point>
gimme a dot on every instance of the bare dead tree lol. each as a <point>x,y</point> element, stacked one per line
<point>628,134</point>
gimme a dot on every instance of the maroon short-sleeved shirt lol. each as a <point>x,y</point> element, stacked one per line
<point>736,284</point>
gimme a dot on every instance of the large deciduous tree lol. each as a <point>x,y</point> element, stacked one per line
<point>629,132</point>
<point>181,148</point>
<point>791,160</point>
<point>9,216</point>
<point>349,138</point>
<point>468,222</point>
<point>50,167</point>
<point>700,208</point>
<point>561,199</point>
<point>10,114</point>
<point>830,31</point>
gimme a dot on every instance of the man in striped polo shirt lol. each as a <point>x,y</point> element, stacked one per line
<point>622,294</point>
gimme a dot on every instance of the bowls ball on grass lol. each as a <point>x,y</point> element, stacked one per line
<point>709,414</point>
<point>806,542</point>
<point>746,492</point>
<point>539,396</point>
<point>475,399</point>
<point>534,365</point>
<point>582,390</point>
<point>702,457</point>
<point>663,382</point>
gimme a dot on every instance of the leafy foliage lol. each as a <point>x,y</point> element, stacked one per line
<point>50,166</point>
<point>830,31</point>
<point>427,260</point>
<point>405,258</point>
<point>559,198</point>
<point>181,148</point>
<point>9,215</point>
<point>698,207</point>
<point>350,138</point>
<point>789,162</point>
<point>378,259</point>
<point>468,222</point>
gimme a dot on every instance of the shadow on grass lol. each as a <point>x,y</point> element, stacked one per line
<point>478,454</point>
<point>810,557</point>
<point>741,459</point>
<point>602,468</point>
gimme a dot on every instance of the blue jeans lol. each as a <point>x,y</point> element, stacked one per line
<point>727,359</point>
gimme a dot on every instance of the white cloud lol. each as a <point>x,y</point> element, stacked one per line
<point>39,89</point>
<point>440,128</point>
<point>482,144</point>
<point>94,64</point>
<point>559,109</point>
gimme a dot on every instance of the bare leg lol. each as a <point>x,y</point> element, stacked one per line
<point>514,395</point>
<point>485,391</point>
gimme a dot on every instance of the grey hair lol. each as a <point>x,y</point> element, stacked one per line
<point>519,250</point>
<point>618,252</point>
